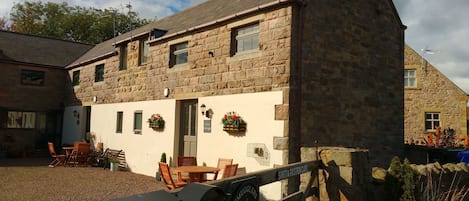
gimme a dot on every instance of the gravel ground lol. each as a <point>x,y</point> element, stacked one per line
<point>31,179</point>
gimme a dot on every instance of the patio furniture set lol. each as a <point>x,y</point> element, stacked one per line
<point>188,171</point>
<point>80,154</point>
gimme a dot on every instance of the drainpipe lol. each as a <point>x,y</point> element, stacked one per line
<point>294,145</point>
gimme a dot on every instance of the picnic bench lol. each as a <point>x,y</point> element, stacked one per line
<point>103,159</point>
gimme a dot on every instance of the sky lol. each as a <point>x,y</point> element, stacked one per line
<point>438,25</point>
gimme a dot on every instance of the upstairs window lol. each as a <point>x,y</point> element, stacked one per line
<point>245,38</point>
<point>143,52</point>
<point>32,77</point>
<point>432,119</point>
<point>99,73</point>
<point>123,57</point>
<point>409,78</point>
<point>179,54</point>
<point>76,78</point>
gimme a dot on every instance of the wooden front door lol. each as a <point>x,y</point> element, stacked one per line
<point>188,128</point>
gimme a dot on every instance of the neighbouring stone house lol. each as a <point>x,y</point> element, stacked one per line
<point>430,99</point>
<point>32,90</point>
<point>298,72</point>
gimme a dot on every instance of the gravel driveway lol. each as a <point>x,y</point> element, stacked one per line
<point>31,179</point>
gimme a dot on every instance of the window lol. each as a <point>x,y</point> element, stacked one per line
<point>123,57</point>
<point>409,78</point>
<point>120,118</point>
<point>32,77</point>
<point>76,78</point>
<point>245,38</point>
<point>432,119</point>
<point>179,54</point>
<point>21,119</point>
<point>138,122</point>
<point>99,73</point>
<point>143,52</point>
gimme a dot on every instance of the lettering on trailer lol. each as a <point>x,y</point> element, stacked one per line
<point>282,174</point>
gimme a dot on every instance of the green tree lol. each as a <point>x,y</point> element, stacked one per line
<point>80,24</point>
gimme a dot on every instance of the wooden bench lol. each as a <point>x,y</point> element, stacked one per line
<point>119,154</point>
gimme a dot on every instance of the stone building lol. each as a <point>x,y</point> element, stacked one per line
<point>298,72</point>
<point>32,90</point>
<point>430,99</point>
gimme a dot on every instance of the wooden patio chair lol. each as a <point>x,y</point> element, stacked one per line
<point>59,159</point>
<point>185,161</point>
<point>230,171</point>
<point>168,179</point>
<point>222,162</point>
<point>80,155</point>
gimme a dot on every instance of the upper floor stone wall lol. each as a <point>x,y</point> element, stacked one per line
<point>215,73</point>
<point>43,97</point>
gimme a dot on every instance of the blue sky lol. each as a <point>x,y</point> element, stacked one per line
<point>440,25</point>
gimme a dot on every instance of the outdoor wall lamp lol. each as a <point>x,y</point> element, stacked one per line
<point>203,107</point>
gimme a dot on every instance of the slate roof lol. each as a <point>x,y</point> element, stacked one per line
<point>36,50</point>
<point>200,14</point>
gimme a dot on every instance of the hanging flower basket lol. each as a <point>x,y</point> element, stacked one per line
<point>232,122</point>
<point>234,128</point>
<point>156,121</point>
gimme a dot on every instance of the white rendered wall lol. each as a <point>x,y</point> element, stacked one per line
<point>142,151</point>
<point>258,110</point>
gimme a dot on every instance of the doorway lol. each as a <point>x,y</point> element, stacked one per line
<point>188,128</point>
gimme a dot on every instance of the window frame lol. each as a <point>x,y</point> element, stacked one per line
<point>409,78</point>
<point>176,53</point>
<point>143,51</point>
<point>138,125</point>
<point>119,121</point>
<point>99,74</point>
<point>123,51</point>
<point>76,78</point>
<point>32,77</point>
<point>433,121</point>
<point>237,38</point>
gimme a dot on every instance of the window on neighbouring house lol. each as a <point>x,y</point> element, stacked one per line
<point>409,78</point>
<point>120,118</point>
<point>143,52</point>
<point>99,73</point>
<point>179,54</point>
<point>137,122</point>
<point>245,38</point>
<point>432,119</point>
<point>76,78</point>
<point>123,57</point>
<point>32,77</point>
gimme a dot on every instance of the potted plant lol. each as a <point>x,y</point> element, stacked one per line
<point>156,121</point>
<point>233,122</point>
<point>114,163</point>
<point>162,159</point>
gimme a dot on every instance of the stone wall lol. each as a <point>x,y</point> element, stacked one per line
<point>351,67</point>
<point>46,101</point>
<point>15,95</point>
<point>204,74</point>
<point>434,93</point>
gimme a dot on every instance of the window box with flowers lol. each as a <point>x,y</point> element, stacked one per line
<point>232,122</point>
<point>156,121</point>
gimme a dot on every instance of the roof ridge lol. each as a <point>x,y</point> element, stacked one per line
<point>44,37</point>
